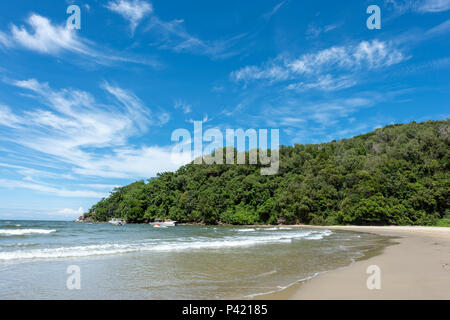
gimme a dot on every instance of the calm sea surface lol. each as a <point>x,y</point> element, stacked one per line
<point>183,262</point>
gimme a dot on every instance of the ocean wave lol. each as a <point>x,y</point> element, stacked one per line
<point>281,288</point>
<point>274,228</point>
<point>317,236</point>
<point>8,226</point>
<point>195,244</point>
<point>265,274</point>
<point>19,245</point>
<point>20,232</point>
<point>245,230</point>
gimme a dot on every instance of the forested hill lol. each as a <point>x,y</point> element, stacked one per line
<point>395,175</point>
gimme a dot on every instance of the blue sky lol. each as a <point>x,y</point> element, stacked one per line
<point>82,111</point>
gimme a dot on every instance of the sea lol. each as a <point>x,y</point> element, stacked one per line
<point>69,260</point>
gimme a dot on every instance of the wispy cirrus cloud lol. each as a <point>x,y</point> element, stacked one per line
<point>271,13</point>
<point>421,6</point>
<point>91,138</point>
<point>325,83</point>
<point>135,109</point>
<point>183,105</point>
<point>295,114</point>
<point>5,41</point>
<point>44,37</point>
<point>131,10</point>
<point>307,121</point>
<point>437,64</point>
<point>434,6</point>
<point>8,118</point>
<point>313,31</point>
<point>442,28</point>
<point>314,69</point>
<point>51,190</point>
<point>33,174</point>
<point>172,35</point>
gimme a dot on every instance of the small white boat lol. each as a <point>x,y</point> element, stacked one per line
<point>163,223</point>
<point>159,226</point>
<point>117,222</point>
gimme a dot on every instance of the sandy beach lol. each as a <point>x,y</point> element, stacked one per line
<point>416,265</point>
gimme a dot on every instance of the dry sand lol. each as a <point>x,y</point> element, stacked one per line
<point>415,266</point>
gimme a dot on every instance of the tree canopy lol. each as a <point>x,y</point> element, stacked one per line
<point>394,175</point>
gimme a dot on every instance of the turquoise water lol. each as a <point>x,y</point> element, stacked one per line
<point>183,262</point>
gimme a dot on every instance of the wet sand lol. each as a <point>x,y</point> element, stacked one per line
<point>416,265</point>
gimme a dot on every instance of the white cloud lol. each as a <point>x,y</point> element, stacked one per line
<point>273,71</point>
<point>313,31</point>
<point>377,54</point>
<point>308,121</point>
<point>274,10</point>
<point>328,113</point>
<point>434,6</point>
<point>217,89</point>
<point>51,190</point>
<point>325,83</point>
<point>315,68</point>
<point>91,137</point>
<point>71,212</point>
<point>291,121</point>
<point>441,28</point>
<point>47,38</point>
<point>4,40</point>
<point>204,120</point>
<point>100,186</point>
<point>330,27</point>
<point>7,118</point>
<point>437,64</point>
<point>172,35</point>
<point>31,173</point>
<point>372,55</point>
<point>44,37</point>
<point>132,10</point>
<point>325,114</point>
<point>421,6</point>
<point>139,113</point>
<point>129,163</point>
<point>183,105</point>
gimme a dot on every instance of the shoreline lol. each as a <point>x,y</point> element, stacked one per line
<point>415,264</point>
<point>222,224</point>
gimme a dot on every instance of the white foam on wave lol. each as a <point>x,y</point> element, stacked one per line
<point>281,288</point>
<point>275,228</point>
<point>18,245</point>
<point>265,274</point>
<point>245,230</point>
<point>155,246</point>
<point>319,236</point>
<point>19,232</point>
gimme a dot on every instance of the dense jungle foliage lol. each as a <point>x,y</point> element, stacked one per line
<point>395,175</point>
